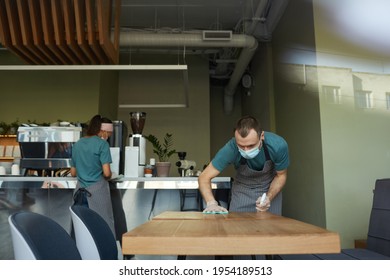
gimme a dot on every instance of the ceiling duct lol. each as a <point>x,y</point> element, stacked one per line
<point>269,14</point>
<point>241,66</point>
<point>216,35</point>
<point>130,39</point>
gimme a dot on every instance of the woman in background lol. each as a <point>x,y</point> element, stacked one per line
<point>91,160</point>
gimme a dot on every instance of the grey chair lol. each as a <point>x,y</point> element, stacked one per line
<point>37,237</point>
<point>94,238</point>
<point>378,237</point>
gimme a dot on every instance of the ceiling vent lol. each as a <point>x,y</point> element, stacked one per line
<point>217,35</point>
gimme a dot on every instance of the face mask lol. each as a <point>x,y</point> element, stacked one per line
<point>250,153</point>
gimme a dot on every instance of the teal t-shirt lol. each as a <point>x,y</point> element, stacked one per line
<point>277,149</point>
<point>88,156</point>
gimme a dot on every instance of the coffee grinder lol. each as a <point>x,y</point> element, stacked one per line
<point>136,151</point>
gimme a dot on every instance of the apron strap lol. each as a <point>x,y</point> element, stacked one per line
<point>267,157</point>
<point>80,196</point>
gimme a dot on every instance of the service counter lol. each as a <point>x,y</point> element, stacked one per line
<point>134,200</point>
<point>120,183</point>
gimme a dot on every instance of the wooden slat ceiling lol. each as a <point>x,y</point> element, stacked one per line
<point>61,32</point>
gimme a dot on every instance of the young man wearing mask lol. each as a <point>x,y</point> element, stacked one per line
<point>260,159</point>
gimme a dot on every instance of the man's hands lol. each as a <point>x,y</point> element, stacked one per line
<point>213,208</point>
<point>263,203</point>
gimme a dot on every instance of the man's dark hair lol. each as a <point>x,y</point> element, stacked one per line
<point>245,124</point>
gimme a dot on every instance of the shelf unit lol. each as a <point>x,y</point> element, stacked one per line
<point>6,141</point>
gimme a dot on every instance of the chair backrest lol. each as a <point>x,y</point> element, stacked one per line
<point>37,237</point>
<point>94,238</point>
<point>378,239</point>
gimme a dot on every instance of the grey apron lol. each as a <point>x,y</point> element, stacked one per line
<point>250,184</point>
<point>100,201</point>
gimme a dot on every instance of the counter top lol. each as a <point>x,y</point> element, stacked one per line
<point>121,182</point>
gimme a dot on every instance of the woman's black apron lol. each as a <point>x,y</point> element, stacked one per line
<point>250,184</point>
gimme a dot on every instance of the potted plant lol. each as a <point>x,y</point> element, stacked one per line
<point>164,151</point>
<point>4,128</point>
<point>13,127</point>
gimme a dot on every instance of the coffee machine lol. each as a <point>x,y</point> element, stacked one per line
<point>135,153</point>
<point>47,149</point>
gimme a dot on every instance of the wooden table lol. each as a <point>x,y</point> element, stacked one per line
<point>195,233</point>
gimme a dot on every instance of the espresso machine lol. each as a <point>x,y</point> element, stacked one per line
<point>135,153</point>
<point>47,149</point>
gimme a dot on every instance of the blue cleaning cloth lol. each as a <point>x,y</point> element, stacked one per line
<point>216,212</point>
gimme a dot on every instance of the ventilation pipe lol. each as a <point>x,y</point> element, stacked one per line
<point>241,65</point>
<point>163,40</point>
<point>160,40</point>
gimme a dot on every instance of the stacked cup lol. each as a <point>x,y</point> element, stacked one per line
<point>15,170</point>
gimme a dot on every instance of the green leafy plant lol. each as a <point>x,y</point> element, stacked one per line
<point>4,128</point>
<point>163,150</point>
<point>9,128</point>
<point>13,127</point>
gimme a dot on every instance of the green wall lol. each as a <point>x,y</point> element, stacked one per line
<point>48,96</point>
<point>221,124</point>
<point>108,94</point>
<point>190,126</point>
<point>337,149</point>
<point>297,119</point>
<point>292,112</point>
